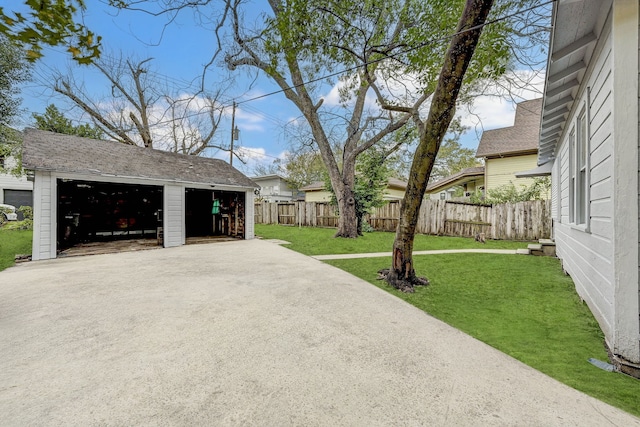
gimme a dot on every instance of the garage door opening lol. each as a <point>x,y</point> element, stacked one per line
<point>212,213</point>
<point>105,212</point>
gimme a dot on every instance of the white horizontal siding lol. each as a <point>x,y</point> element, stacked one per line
<point>249,216</point>
<point>588,254</point>
<point>174,215</point>
<point>44,217</point>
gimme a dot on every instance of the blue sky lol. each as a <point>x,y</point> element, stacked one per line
<point>179,51</point>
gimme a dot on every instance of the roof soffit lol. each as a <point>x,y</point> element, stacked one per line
<point>573,41</point>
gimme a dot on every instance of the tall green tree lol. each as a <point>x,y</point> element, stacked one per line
<point>54,121</point>
<point>14,70</point>
<point>303,168</point>
<point>383,56</point>
<point>372,177</point>
<point>393,50</point>
<point>50,23</point>
<point>457,60</point>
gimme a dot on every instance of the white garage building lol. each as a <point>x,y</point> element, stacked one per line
<point>88,190</point>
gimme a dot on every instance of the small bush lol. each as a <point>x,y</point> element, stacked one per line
<point>25,224</point>
<point>3,219</point>
<point>509,193</point>
<point>27,212</point>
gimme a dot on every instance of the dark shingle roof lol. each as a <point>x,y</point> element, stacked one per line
<point>522,137</point>
<point>65,153</point>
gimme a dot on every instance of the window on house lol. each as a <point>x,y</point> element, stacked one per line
<point>578,171</point>
<point>572,176</point>
<point>582,184</point>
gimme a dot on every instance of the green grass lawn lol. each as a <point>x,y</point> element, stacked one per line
<point>13,242</point>
<point>320,241</point>
<point>522,305</point>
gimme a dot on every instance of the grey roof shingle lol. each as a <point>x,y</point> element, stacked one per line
<point>50,151</point>
<point>472,172</point>
<point>522,137</point>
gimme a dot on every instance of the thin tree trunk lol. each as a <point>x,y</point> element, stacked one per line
<point>402,274</point>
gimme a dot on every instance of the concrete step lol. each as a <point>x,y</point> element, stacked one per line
<point>523,252</point>
<point>547,242</point>
<point>542,249</point>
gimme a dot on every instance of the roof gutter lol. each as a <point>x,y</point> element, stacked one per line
<point>62,174</point>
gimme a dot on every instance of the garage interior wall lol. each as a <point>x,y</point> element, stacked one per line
<point>214,213</point>
<point>90,211</point>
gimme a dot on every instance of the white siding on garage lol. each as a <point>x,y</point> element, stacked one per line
<point>587,254</point>
<point>249,219</point>
<point>174,215</point>
<point>44,217</point>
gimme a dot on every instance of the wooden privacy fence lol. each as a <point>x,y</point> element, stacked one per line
<point>510,221</point>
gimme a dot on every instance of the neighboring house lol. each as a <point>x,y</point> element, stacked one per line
<point>507,151</point>
<point>273,188</point>
<point>14,190</point>
<point>316,191</point>
<point>90,190</point>
<point>469,180</point>
<point>589,135</point>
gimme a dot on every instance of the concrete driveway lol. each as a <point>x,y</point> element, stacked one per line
<point>249,333</point>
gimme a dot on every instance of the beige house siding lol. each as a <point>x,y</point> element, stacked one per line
<point>393,193</point>
<point>317,196</point>
<point>501,171</point>
<point>325,196</point>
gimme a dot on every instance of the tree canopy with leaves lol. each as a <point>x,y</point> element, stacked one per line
<point>384,57</point>
<point>54,121</point>
<point>14,70</point>
<point>381,56</point>
<point>50,23</point>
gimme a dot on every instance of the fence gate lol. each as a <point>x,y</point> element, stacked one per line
<point>286,213</point>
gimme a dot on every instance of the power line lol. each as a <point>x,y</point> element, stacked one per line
<point>237,101</point>
<point>411,49</point>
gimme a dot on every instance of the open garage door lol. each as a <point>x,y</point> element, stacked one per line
<point>101,211</point>
<point>212,213</point>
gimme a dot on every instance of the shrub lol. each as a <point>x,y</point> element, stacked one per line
<point>27,212</point>
<point>25,224</point>
<point>509,193</point>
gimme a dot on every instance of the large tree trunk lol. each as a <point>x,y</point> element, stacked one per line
<point>402,274</point>
<point>343,185</point>
<point>347,221</point>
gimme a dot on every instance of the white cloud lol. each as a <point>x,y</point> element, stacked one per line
<point>249,121</point>
<point>496,106</point>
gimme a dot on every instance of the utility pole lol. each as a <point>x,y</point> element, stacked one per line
<point>234,133</point>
